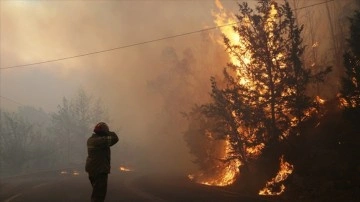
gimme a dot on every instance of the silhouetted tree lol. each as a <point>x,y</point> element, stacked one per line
<point>201,143</point>
<point>351,83</point>
<point>72,124</point>
<point>24,147</point>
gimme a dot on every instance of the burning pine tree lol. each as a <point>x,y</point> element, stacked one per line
<point>350,93</point>
<point>262,100</point>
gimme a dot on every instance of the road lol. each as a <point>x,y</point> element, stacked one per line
<point>73,186</point>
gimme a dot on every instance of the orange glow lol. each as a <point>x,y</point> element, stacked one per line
<point>222,173</point>
<point>226,173</point>
<point>316,44</point>
<point>63,172</point>
<point>285,170</point>
<point>75,173</point>
<point>125,169</point>
<point>239,60</point>
<point>256,150</point>
<point>320,100</point>
<point>350,103</point>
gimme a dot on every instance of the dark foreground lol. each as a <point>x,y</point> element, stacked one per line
<point>123,186</point>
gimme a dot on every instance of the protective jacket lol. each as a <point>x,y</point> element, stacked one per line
<point>98,160</point>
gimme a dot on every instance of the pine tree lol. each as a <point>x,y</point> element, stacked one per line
<point>263,99</point>
<point>351,83</point>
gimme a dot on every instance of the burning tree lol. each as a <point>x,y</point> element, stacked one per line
<point>262,100</point>
<point>350,93</point>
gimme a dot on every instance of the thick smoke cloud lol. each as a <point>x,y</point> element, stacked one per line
<point>144,87</point>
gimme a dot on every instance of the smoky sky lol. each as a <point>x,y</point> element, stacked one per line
<point>144,87</point>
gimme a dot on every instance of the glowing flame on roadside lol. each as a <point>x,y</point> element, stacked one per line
<point>226,177</point>
<point>125,169</point>
<point>75,173</point>
<point>285,170</point>
<point>63,172</point>
<point>224,173</point>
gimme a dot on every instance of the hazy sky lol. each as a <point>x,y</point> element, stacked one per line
<point>145,87</point>
<point>35,31</point>
<point>140,85</point>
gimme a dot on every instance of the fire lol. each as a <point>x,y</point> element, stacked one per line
<point>256,150</point>
<point>124,169</point>
<point>316,44</point>
<point>285,170</point>
<point>224,173</point>
<point>239,60</point>
<point>63,172</point>
<point>75,173</point>
<point>226,177</point>
<point>320,100</point>
<point>346,103</point>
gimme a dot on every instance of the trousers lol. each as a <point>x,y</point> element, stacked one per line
<point>99,185</point>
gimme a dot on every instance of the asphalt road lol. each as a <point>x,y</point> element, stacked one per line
<point>122,186</point>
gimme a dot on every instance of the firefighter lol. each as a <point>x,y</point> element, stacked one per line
<point>98,159</point>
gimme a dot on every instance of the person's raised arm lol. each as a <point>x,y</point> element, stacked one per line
<point>112,138</point>
<point>103,141</point>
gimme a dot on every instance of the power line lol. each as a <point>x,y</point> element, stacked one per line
<point>140,43</point>
<point>120,47</point>
<point>312,5</point>
<point>11,100</point>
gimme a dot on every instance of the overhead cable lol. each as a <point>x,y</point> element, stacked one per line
<point>137,44</point>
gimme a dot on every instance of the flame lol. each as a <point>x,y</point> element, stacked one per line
<point>226,177</point>
<point>223,173</point>
<point>346,103</point>
<point>256,150</point>
<point>75,173</point>
<point>285,170</point>
<point>226,173</point>
<point>124,169</point>
<point>316,44</point>
<point>222,18</point>
<point>63,172</point>
<point>320,100</point>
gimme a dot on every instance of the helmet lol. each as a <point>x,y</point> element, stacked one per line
<point>101,128</point>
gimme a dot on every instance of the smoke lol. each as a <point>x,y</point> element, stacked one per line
<point>145,88</point>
